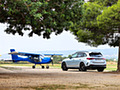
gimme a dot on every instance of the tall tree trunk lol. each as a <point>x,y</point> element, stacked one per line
<point>118,66</point>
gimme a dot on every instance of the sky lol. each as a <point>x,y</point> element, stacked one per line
<point>64,41</point>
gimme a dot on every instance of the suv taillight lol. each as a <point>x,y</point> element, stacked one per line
<point>103,58</point>
<point>96,58</point>
<point>90,58</point>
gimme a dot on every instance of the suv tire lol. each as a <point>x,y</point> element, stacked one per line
<point>100,69</point>
<point>64,67</point>
<point>82,67</point>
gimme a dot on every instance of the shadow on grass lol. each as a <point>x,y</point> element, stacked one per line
<point>10,68</point>
<point>56,87</point>
<point>113,72</point>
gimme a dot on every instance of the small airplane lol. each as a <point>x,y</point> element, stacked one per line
<point>33,58</point>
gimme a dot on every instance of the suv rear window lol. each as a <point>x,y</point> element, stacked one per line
<point>95,54</point>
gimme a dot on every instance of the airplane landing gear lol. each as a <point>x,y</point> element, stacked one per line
<point>33,67</point>
<point>47,67</point>
<point>43,67</point>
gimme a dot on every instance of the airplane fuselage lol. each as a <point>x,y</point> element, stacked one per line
<point>44,60</point>
<point>32,58</point>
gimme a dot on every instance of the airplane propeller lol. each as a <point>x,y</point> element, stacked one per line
<point>51,55</point>
<point>52,62</point>
<point>52,59</point>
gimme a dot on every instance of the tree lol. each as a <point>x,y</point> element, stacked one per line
<point>87,28</point>
<point>109,21</point>
<point>69,56</point>
<point>58,59</point>
<point>100,24</point>
<point>104,2</point>
<point>41,17</point>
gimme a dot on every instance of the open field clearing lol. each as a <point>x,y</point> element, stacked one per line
<point>23,77</point>
<point>111,66</point>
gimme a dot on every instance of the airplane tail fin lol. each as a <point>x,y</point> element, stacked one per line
<point>14,57</point>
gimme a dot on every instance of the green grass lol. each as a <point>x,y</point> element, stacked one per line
<point>111,66</point>
<point>30,65</point>
<point>16,64</point>
<point>10,68</point>
<point>50,87</point>
<point>60,87</point>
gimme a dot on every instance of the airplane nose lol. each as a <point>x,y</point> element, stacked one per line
<point>51,58</point>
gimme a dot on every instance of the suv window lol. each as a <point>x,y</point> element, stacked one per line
<point>74,55</point>
<point>95,54</point>
<point>79,54</point>
<point>82,55</point>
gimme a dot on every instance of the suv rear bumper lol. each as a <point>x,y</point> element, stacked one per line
<point>96,66</point>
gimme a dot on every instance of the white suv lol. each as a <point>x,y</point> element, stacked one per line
<point>84,60</point>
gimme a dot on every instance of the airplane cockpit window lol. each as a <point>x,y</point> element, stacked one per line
<point>30,57</point>
<point>36,59</point>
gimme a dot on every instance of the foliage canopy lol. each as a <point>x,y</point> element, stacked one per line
<point>109,21</point>
<point>41,17</point>
<point>98,25</point>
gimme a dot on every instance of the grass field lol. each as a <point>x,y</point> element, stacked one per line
<point>111,66</point>
<point>30,65</point>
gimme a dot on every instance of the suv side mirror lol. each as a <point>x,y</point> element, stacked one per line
<point>70,57</point>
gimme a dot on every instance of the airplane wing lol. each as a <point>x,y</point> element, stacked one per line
<point>53,54</point>
<point>25,54</point>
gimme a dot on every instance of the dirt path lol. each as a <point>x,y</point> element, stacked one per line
<point>25,78</point>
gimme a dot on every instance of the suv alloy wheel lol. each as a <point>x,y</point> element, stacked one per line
<point>64,67</point>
